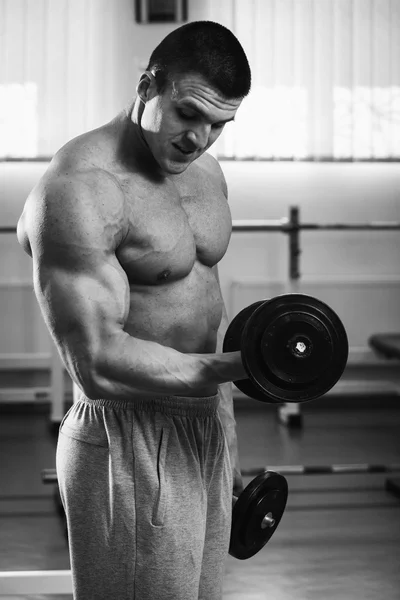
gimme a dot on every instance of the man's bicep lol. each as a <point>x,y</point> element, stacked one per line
<point>83,311</point>
<point>74,298</point>
<point>81,287</point>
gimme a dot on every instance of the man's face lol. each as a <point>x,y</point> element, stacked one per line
<point>180,124</point>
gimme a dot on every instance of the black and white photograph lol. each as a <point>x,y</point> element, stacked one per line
<point>200,300</point>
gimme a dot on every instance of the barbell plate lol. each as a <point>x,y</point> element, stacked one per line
<point>266,495</point>
<point>294,348</point>
<point>232,343</point>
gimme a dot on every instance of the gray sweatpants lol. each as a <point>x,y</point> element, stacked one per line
<point>147,490</point>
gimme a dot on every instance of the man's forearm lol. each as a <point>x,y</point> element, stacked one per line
<point>129,364</point>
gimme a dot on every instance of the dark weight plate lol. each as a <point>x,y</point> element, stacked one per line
<point>294,348</point>
<point>257,514</point>
<point>232,343</point>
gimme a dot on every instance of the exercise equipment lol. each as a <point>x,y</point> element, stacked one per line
<point>257,513</point>
<point>15,583</point>
<point>391,485</point>
<point>386,344</point>
<point>334,469</point>
<point>294,348</point>
<point>50,475</point>
<point>293,225</point>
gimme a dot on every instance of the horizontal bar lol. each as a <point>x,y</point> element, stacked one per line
<point>285,226</point>
<point>24,361</point>
<point>17,395</point>
<point>50,475</point>
<point>323,469</point>
<point>279,225</point>
<point>15,583</point>
<point>373,226</point>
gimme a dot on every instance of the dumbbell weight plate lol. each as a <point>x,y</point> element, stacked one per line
<point>294,348</point>
<point>232,343</point>
<point>257,513</point>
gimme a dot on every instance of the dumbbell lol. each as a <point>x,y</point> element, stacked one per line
<point>256,514</point>
<point>294,348</point>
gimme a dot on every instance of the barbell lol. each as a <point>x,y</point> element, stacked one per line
<point>332,469</point>
<point>50,475</point>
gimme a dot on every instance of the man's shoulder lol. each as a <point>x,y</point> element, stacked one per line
<point>83,159</point>
<point>77,170</point>
<point>75,188</point>
<point>72,200</point>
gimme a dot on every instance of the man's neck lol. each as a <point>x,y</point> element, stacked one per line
<point>134,148</point>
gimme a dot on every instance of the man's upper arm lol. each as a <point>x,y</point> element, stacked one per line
<point>74,227</point>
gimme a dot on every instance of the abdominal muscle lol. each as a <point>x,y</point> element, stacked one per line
<point>183,314</point>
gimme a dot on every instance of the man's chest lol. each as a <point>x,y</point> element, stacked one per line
<point>171,225</point>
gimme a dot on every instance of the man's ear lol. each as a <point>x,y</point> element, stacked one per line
<point>146,88</point>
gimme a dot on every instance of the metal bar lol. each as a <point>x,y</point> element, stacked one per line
<point>8,230</point>
<point>178,11</point>
<point>323,469</point>
<point>286,226</point>
<point>14,583</point>
<point>50,475</point>
<point>280,225</point>
<point>294,244</point>
<point>373,226</point>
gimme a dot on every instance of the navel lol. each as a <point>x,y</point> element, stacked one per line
<point>163,276</point>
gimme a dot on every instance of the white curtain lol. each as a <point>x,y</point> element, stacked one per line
<point>326,79</point>
<point>66,66</point>
<point>326,74</point>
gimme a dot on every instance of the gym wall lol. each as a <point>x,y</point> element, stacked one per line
<point>85,57</point>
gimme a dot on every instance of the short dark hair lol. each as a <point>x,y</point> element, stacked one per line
<point>206,48</point>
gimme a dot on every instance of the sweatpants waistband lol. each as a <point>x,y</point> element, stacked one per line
<point>184,406</point>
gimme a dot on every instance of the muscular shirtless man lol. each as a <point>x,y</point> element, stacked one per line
<point>125,230</point>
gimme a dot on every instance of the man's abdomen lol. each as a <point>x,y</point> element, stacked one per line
<point>183,314</point>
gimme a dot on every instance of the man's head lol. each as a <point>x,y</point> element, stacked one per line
<point>194,83</point>
<point>208,49</point>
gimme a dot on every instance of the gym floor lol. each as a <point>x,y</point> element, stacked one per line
<point>339,537</point>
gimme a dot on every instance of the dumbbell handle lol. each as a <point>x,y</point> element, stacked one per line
<point>268,521</point>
